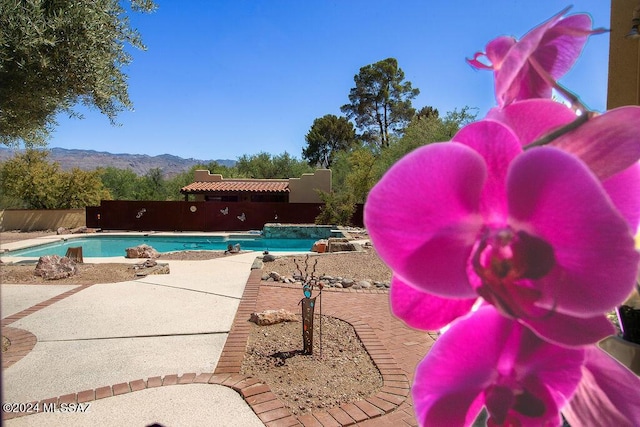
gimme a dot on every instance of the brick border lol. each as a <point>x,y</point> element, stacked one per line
<point>27,311</point>
<point>22,342</point>
<point>236,382</point>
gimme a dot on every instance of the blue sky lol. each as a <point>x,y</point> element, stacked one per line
<point>230,77</point>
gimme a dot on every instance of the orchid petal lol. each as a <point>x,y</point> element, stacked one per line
<point>608,395</point>
<point>608,143</point>
<point>533,118</point>
<point>479,64</point>
<point>562,43</point>
<point>624,190</point>
<point>498,145</point>
<point>422,217</point>
<point>554,196</point>
<point>496,51</point>
<point>566,330</point>
<point>423,311</point>
<point>484,354</point>
<point>498,48</point>
<point>458,368</point>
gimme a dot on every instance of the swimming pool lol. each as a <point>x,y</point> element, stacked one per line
<point>114,246</point>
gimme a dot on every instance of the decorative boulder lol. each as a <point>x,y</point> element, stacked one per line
<point>271,317</point>
<point>142,251</point>
<point>54,267</point>
<point>341,245</point>
<point>267,257</point>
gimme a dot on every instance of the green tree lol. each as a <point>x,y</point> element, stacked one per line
<point>432,128</point>
<point>215,167</point>
<point>56,53</point>
<point>327,135</point>
<point>152,186</point>
<point>122,184</point>
<point>263,166</point>
<point>79,189</point>
<point>380,103</point>
<point>424,129</point>
<point>290,167</point>
<point>180,180</point>
<point>338,208</point>
<point>354,173</point>
<point>427,112</point>
<point>30,180</point>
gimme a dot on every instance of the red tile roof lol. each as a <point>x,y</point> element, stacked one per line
<point>257,186</point>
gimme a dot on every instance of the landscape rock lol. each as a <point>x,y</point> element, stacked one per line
<point>342,245</point>
<point>347,283</point>
<point>150,267</point>
<point>275,276</point>
<point>142,251</point>
<point>54,267</point>
<point>272,317</point>
<point>363,284</point>
<point>233,249</point>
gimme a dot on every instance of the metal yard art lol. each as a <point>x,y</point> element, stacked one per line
<point>309,283</point>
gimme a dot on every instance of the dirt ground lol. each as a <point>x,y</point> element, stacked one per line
<point>339,370</point>
<point>342,372</point>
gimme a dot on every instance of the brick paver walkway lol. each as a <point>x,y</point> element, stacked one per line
<point>394,348</point>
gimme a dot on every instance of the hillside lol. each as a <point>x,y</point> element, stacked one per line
<point>138,163</point>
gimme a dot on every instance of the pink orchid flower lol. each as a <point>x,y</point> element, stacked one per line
<point>491,361</point>
<point>487,360</point>
<point>533,232</point>
<point>522,68</point>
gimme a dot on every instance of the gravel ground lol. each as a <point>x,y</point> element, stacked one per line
<point>365,265</point>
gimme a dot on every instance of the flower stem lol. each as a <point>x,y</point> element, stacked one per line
<point>576,105</point>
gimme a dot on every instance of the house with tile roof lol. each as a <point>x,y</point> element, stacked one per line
<point>213,187</point>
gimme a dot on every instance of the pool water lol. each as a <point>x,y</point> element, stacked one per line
<point>114,246</point>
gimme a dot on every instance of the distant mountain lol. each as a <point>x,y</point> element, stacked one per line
<point>138,163</point>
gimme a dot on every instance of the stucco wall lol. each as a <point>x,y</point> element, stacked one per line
<point>303,189</point>
<point>624,57</point>
<point>36,220</point>
<point>206,176</point>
